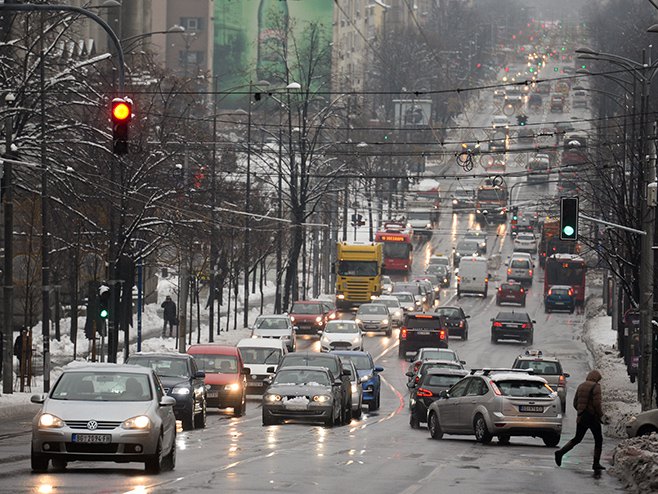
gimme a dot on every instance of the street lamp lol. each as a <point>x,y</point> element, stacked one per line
<point>138,37</point>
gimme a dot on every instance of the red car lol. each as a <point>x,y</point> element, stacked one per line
<point>309,316</point>
<point>225,374</point>
<point>511,292</point>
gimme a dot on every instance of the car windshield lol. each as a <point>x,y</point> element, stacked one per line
<point>311,361</point>
<point>306,309</point>
<point>512,288</point>
<point>300,376</point>
<point>467,246</point>
<point>519,264</point>
<point>441,380</point>
<point>389,303</point>
<point>386,280</point>
<point>217,364</point>
<point>438,269</point>
<point>361,362</point>
<point>163,366</point>
<point>405,298</point>
<point>523,389</point>
<point>102,386</point>
<point>272,323</point>
<point>541,367</point>
<point>396,250</point>
<point>439,354</point>
<point>449,312</point>
<point>259,355</point>
<point>372,309</point>
<point>341,327</point>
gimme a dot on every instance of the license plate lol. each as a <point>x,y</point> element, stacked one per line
<point>92,438</point>
<point>531,408</point>
<point>296,406</point>
<point>213,394</point>
<point>255,383</point>
<point>424,333</point>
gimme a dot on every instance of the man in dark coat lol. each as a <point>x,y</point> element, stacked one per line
<point>169,316</point>
<point>587,402</point>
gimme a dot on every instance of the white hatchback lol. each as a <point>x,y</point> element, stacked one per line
<point>525,242</point>
<point>341,335</point>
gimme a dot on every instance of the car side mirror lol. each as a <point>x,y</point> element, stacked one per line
<point>338,382</point>
<point>444,395</point>
<point>40,398</point>
<point>200,375</point>
<point>379,369</point>
<point>467,317</point>
<point>246,371</point>
<point>566,374</point>
<point>345,372</point>
<point>295,328</point>
<point>270,370</point>
<point>411,384</point>
<point>463,362</point>
<point>409,374</point>
<point>167,401</point>
<point>534,322</point>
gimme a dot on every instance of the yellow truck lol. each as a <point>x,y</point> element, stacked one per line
<point>358,273</point>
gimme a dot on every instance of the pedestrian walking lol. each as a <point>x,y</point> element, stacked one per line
<point>169,316</point>
<point>587,402</point>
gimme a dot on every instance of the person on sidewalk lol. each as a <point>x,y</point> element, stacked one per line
<point>169,316</point>
<point>587,402</point>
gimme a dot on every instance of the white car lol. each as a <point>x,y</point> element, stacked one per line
<point>387,284</point>
<point>395,309</point>
<point>525,242</point>
<point>500,122</point>
<point>341,335</point>
<point>259,355</point>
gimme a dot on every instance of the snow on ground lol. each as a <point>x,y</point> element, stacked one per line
<point>636,463</point>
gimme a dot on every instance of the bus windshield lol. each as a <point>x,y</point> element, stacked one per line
<point>396,250</point>
<point>564,273</point>
<point>357,268</point>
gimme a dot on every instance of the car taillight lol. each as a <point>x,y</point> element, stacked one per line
<point>509,270</point>
<point>522,290</point>
<point>442,335</point>
<point>570,292</point>
<point>403,334</point>
<point>562,382</point>
<point>529,272</point>
<point>459,279</point>
<point>500,289</point>
<point>416,379</point>
<point>461,324</point>
<point>524,326</point>
<point>550,291</point>
<point>496,389</point>
<point>416,367</point>
<point>424,393</point>
<point>498,324</point>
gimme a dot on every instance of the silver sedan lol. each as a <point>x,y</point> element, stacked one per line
<point>105,412</point>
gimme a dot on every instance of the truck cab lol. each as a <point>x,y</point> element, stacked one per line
<point>358,273</point>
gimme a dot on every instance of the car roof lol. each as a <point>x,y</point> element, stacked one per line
<point>375,304</point>
<point>305,368</point>
<point>308,354</point>
<point>563,287</point>
<point>537,358</point>
<point>386,297</point>
<point>449,372</point>
<point>515,376</point>
<point>434,349</point>
<point>351,353</point>
<point>161,355</point>
<point>78,366</point>
<point>449,363</point>
<point>211,349</point>
<point>512,316</point>
<point>260,343</point>
<point>274,316</point>
<point>402,293</point>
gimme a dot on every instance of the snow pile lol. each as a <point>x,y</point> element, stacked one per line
<point>619,394</point>
<point>635,462</point>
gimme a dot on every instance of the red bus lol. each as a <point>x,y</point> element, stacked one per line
<point>566,269</point>
<point>398,247</point>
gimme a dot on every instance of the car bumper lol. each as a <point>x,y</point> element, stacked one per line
<point>124,445</point>
<point>512,334</point>
<point>369,392</point>
<point>256,383</point>
<point>308,328</point>
<point>525,426</point>
<point>559,305</point>
<point>218,397</point>
<point>308,412</point>
<point>375,326</point>
<point>510,300</point>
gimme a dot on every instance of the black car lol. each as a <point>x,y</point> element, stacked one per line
<point>427,391</point>
<point>465,248</point>
<point>455,320</point>
<point>182,380</point>
<point>463,200</point>
<point>335,365</point>
<point>512,326</point>
<point>419,330</point>
<point>440,271</point>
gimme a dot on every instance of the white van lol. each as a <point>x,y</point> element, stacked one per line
<point>257,355</point>
<point>473,276</point>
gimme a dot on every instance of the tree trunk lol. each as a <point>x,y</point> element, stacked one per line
<point>290,285</point>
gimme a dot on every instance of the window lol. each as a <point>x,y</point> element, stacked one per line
<point>459,389</point>
<point>191,23</point>
<point>477,388</point>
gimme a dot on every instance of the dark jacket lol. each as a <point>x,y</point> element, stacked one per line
<point>588,395</point>
<point>169,310</point>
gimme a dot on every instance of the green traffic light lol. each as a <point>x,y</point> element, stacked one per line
<point>568,230</point>
<point>104,313</point>
<point>556,69</point>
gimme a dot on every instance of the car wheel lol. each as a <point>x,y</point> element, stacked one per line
<point>374,405</point>
<point>153,463</point>
<point>551,440</point>
<point>572,310</point>
<point>459,293</point>
<point>494,339</point>
<point>188,420</point>
<point>170,459</point>
<point>401,352</point>
<point>389,333</point>
<point>200,418</point>
<point>482,434</point>
<point>486,293</point>
<point>504,440</point>
<point>465,335</point>
<point>357,413</point>
<point>347,414</point>
<point>497,301</point>
<point>38,463</point>
<point>645,430</point>
<point>240,408</point>
<point>434,426</point>
<point>59,465</point>
<point>413,421</point>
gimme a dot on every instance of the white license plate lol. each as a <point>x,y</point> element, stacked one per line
<point>255,383</point>
<point>92,438</point>
<point>213,394</point>
<point>296,406</point>
<point>531,408</point>
<point>424,333</point>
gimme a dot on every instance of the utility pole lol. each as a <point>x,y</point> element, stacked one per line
<point>247,221</point>
<point>213,220</point>
<point>8,289</point>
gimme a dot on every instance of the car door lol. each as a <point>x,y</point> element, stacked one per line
<point>198,383</point>
<point>467,405</point>
<point>448,407</point>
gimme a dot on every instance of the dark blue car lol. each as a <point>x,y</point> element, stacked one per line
<point>368,374</point>
<point>560,297</point>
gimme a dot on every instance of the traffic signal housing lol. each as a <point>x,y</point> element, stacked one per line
<point>122,112</point>
<point>521,120</point>
<point>104,295</point>
<point>568,218</point>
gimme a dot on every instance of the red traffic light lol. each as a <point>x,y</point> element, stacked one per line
<point>121,110</point>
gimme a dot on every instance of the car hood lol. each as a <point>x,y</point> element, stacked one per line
<point>116,411</point>
<point>304,317</point>
<point>271,333</point>
<point>339,336</point>
<point>372,318</point>
<point>298,389</point>
<point>170,382</point>
<point>212,378</point>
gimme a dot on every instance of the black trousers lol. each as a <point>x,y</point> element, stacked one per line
<point>588,422</point>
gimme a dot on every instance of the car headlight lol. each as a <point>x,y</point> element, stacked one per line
<point>321,398</point>
<point>398,313</point>
<point>455,202</point>
<point>358,321</point>
<point>437,289</point>
<point>424,299</point>
<point>140,422</point>
<point>332,315</point>
<point>458,254</point>
<point>354,390</point>
<point>429,225</point>
<point>180,391</point>
<point>366,378</point>
<point>272,398</point>
<point>341,296</point>
<point>384,321</point>
<point>292,318</point>
<point>411,307</point>
<point>48,421</point>
<point>318,319</point>
<point>232,387</point>
<point>418,302</point>
<point>356,340</point>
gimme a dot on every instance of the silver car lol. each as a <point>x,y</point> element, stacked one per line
<point>357,389</point>
<point>105,412</point>
<point>503,403</point>
<point>276,326</point>
<point>375,317</point>
<point>643,424</point>
<point>395,310</point>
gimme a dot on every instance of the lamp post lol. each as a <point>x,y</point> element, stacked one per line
<point>643,72</point>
